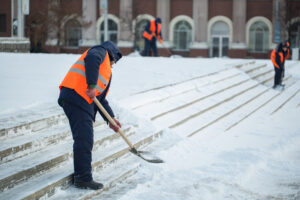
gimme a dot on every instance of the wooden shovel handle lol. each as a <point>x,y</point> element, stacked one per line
<point>120,131</point>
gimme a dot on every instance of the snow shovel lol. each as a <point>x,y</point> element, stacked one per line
<point>133,150</point>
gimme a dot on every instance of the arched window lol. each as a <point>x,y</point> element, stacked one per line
<point>182,35</point>
<point>295,35</point>
<point>140,28</point>
<point>259,37</point>
<point>220,28</point>
<point>112,31</point>
<point>72,33</point>
<point>219,39</point>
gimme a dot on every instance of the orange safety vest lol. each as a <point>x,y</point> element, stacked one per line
<point>152,29</point>
<point>76,79</point>
<point>273,58</point>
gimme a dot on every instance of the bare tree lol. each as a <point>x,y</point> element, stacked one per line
<point>59,12</point>
<point>37,31</point>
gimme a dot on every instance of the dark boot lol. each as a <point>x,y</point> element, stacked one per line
<point>88,185</point>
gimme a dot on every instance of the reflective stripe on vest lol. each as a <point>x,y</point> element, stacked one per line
<point>100,77</point>
<point>76,77</point>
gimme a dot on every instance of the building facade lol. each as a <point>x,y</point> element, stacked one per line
<point>191,28</point>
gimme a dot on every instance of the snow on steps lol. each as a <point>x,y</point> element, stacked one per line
<point>31,127</point>
<point>219,95</point>
<point>20,169</point>
<point>15,147</point>
<point>263,102</point>
<point>113,151</point>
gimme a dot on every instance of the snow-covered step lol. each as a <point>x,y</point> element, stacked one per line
<point>18,146</point>
<point>109,175</point>
<point>158,109</point>
<point>33,126</point>
<point>194,111</point>
<point>258,70</point>
<point>261,73</point>
<point>283,98</point>
<point>243,113</point>
<point>251,68</point>
<point>237,117</point>
<point>26,115</point>
<point>243,64</point>
<point>20,170</point>
<point>257,107</point>
<point>61,176</point>
<point>181,115</point>
<point>14,148</point>
<point>155,95</point>
<point>197,124</point>
<point>163,106</point>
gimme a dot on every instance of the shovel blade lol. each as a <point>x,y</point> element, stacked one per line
<point>147,156</point>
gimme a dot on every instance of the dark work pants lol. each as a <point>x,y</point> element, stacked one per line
<point>277,78</point>
<point>150,45</point>
<point>81,124</point>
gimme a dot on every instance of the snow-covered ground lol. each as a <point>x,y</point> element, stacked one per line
<point>257,159</point>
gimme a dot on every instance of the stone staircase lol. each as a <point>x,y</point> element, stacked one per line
<point>36,157</point>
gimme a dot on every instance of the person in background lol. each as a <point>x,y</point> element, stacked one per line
<point>89,77</point>
<point>277,58</point>
<point>286,55</point>
<point>151,33</point>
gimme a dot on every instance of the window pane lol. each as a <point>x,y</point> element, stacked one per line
<point>295,35</point>
<point>225,44</point>
<point>72,33</point>
<point>183,40</point>
<point>259,37</point>
<point>220,28</point>
<point>112,31</point>
<point>215,47</point>
<point>2,23</point>
<point>251,40</point>
<point>182,35</point>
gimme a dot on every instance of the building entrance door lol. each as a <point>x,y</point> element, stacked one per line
<point>220,46</point>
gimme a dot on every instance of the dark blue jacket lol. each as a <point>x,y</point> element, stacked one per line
<point>93,59</point>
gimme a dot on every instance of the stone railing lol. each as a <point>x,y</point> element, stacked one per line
<point>11,44</point>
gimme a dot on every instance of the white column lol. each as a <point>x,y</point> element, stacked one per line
<point>89,13</point>
<point>239,23</point>
<point>126,35</point>
<point>200,17</point>
<point>163,11</point>
<point>279,14</point>
<point>20,20</point>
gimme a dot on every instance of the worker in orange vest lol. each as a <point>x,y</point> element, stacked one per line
<point>89,77</point>
<point>151,33</point>
<point>277,58</point>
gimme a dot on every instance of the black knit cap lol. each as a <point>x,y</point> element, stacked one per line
<point>158,20</point>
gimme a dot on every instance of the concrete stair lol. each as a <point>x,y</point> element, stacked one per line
<point>36,157</point>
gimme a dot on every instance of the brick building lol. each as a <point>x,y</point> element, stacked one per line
<point>192,28</point>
